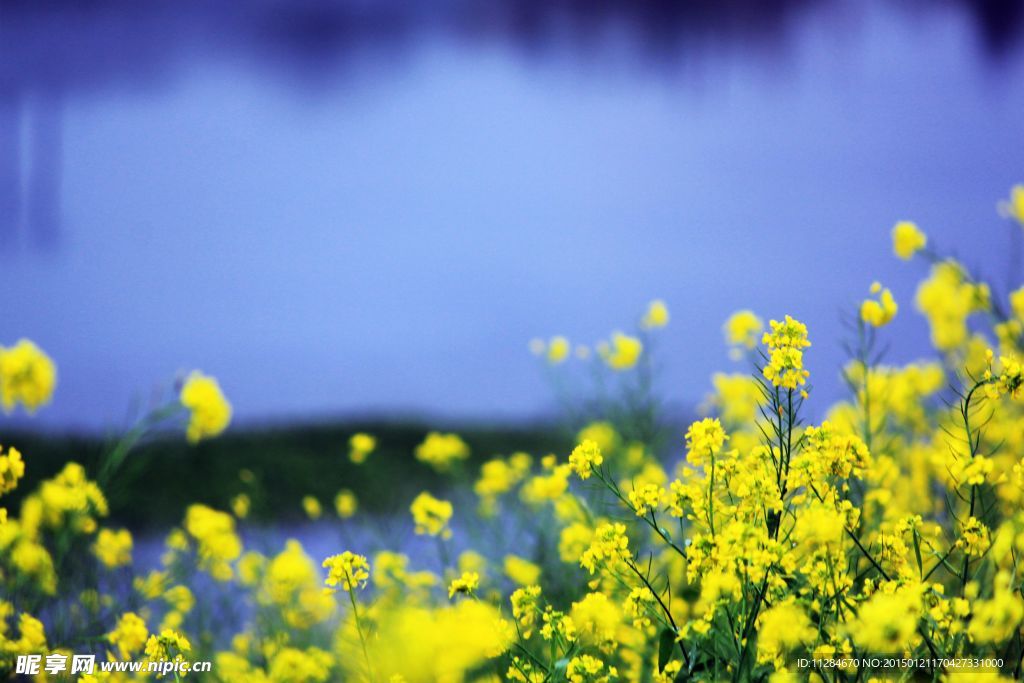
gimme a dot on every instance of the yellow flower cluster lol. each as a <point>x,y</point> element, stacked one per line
<point>113,548</point>
<point>622,352</point>
<point>360,446</point>
<point>209,411</point>
<point>431,515</point>
<point>27,376</point>
<point>216,543</point>
<point>786,342</point>
<point>441,451</point>
<point>347,571</point>
<point>584,458</point>
<point>12,469</point>
<point>881,311</point>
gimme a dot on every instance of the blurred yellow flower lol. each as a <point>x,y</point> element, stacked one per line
<point>12,468</point>
<point>881,311</point>
<point>558,350</point>
<point>656,315</point>
<point>440,451</point>
<point>209,411</point>
<point>240,505</point>
<point>360,446</point>
<point>742,329</point>
<point>345,504</point>
<point>907,239</point>
<point>27,376</point>
<point>622,353</point>
<point>431,515</point>
<point>521,571</point>
<point>129,635</point>
<point>113,548</point>
<point>311,506</point>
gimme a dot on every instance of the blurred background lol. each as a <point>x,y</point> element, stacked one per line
<point>353,211</point>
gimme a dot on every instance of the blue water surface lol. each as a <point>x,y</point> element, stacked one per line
<point>349,208</point>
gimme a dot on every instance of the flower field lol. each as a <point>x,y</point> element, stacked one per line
<point>776,539</point>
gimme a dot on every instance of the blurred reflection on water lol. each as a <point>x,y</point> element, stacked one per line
<point>351,207</point>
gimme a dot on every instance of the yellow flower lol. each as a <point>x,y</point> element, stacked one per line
<point>622,353</point>
<point>597,620</point>
<point>521,571</point>
<point>441,450</point>
<point>465,584</point>
<point>129,635</point>
<point>879,312</point>
<point>1014,206</point>
<point>218,545</point>
<point>887,622</point>
<point>781,629</point>
<point>12,468</point>
<point>558,350</point>
<point>360,446</point>
<point>587,669</point>
<point>742,329</point>
<point>347,570</point>
<point>431,515</point>
<point>584,458</point>
<point>948,298</point>
<point>180,598</point>
<point>169,645</point>
<point>209,411</point>
<point>602,433</point>
<point>907,240</point>
<point>525,607</point>
<point>656,315</point>
<point>646,498</point>
<point>113,548</point>
<point>240,505</point>
<point>27,376</point>
<point>786,341</point>
<point>311,506</point>
<point>609,545</point>
<point>71,500</point>
<point>703,438</point>
<point>345,504</point>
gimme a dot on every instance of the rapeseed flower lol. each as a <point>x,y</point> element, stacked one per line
<point>345,504</point>
<point>881,311</point>
<point>129,635</point>
<point>521,571</point>
<point>113,548</point>
<point>27,376</point>
<point>441,451</point>
<point>347,570</point>
<point>786,342</point>
<point>12,469</point>
<point>656,315</point>
<point>360,446</point>
<point>209,411</point>
<point>907,239</point>
<point>622,352</point>
<point>584,458</point>
<point>743,329</point>
<point>465,584</point>
<point>431,515</point>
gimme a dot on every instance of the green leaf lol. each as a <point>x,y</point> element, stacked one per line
<point>666,643</point>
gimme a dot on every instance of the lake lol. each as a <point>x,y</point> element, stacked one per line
<point>351,208</point>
